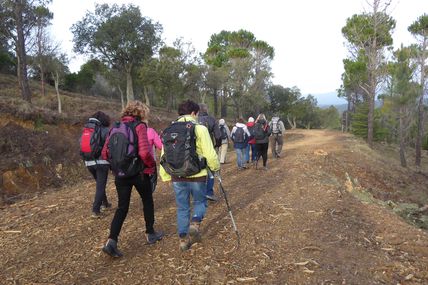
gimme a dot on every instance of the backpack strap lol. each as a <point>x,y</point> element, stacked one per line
<point>133,126</point>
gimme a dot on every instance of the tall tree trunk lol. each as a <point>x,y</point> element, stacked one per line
<point>370,120</point>
<point>169,102</point>
<point>42,78</point>
<point>129,87</point>
<point>292,123</point>
<point>224,104</point>
<point>122,100</point>
<point>420,123</point>
<point>215,96</point>
<point>56,80</point>
<point>21,54</point>
<point>146,96</point>
<point>401,138</point>
<point>420,131</point>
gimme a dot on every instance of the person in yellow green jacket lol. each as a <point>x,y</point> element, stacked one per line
<point>192,185</point>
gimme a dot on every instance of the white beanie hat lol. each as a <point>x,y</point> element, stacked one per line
<point>221,122</point>
<point>250,119</point>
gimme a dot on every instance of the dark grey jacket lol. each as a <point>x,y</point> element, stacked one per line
<point>267,131</point>
<point>212,126</point>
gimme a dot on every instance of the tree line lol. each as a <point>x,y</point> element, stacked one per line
<point>129,60</point>
<point>374,72</point>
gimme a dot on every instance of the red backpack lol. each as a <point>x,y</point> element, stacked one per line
<point>91,142</point>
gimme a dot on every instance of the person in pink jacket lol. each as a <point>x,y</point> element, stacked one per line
<point>155,142</point>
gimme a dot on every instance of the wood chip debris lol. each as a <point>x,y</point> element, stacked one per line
<point>246,279</point>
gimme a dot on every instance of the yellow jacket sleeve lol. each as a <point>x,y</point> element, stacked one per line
<point>205,148</point>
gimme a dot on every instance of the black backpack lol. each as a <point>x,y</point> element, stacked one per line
<point>123,150</point>
<point>259,131</point>
<point>223,132</point>
<point>239,136</point>
<point>91,142</point>
<point>179,143</point>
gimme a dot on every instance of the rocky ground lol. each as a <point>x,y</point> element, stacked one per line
<point>322,214</point>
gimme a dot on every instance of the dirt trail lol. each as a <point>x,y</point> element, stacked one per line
<point>298,223</point>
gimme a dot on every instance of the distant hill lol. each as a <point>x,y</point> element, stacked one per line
<point>343,107</point>
<point>328,99</point>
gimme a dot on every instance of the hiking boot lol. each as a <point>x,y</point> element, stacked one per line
<point>184,243</point>
<point>211,198</point>
<point>111,249</point>
<point>105,206</point>
<point>194,233</point>
<point>265,168</point>
<point>96,215</point>
<point>154,237</point>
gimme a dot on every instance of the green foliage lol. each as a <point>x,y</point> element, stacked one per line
<point>362,29</point>
<point>118,36</point>
<point>425,142</point>
<point>7,62</point>
<point>246,63</point>
<point>420,26</point>
<point>359,120</point>
<point>329,118</point>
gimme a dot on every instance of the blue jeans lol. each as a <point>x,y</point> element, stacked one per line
<point>253,152</point>
<point>240,153</point>
<point>183,190</point>
<point>210,186</point>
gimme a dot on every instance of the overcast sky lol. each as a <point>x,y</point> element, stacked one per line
<point>306,34</point>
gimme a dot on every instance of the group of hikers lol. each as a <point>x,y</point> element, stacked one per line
<point>192,149</point>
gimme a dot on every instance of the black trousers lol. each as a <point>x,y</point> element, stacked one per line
<point>262,150</point>
<point>124,188</point>
<point>100,174</point>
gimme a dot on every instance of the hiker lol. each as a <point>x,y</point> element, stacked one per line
<point>95,132</point>
<point>251,143</point>
<point>225,136</point>
<point>186,156</point>
<point>240,136</point>
<point>154,143</point>
<point>214,131</point>
<point>128,150</point>
<point>261,135</point>
<point>277,129</point>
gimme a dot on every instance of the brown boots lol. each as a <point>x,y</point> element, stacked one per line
<point>194,236</point>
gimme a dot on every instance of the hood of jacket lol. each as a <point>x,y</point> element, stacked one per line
<point>250,124</point>
<point>240,125</point>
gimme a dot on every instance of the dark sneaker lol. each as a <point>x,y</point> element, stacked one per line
<point>96,215</point>
<point>184,243</point>
<point>211,198</point>
<point>105,206</point>
<point>194,233</point>
<point>154,237</point>
<point>111,249</point>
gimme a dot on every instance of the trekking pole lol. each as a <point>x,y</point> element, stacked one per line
<point>229,209</point>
